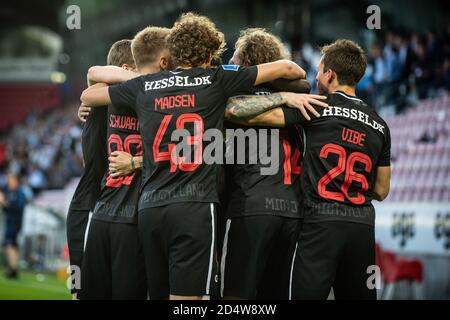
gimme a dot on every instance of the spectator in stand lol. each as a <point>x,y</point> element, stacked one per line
<point>422,71</point>
<point>380,75</point>
<point>13,201</point>
<point>446,72</point>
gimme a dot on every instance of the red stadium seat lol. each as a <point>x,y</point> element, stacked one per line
<point>395,270</point>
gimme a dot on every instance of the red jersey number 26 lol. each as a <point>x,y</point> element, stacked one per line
<point>345,164</point>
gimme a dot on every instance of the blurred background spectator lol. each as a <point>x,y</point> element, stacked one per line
<point>12,201</point>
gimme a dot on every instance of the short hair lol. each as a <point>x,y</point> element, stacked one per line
<point>256,46</point>
<point>147,44</point>
<point>120,54</point>
<point>347,59</point>
<point>193,40</point>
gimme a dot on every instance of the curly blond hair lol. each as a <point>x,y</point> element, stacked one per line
<point>147,44</point>
<point>256,46</point>
<point>193,40</point>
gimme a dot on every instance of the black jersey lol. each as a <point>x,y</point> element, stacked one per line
<point>344,147</point>
<point>119,197</point>
<point>95,158</point>
<point>192,99</point>
<point>252,193</point>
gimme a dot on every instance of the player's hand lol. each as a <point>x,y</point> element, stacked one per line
<point>2,199</point>
<point>120,164</point>
<point>304,102</point>
<point>83,112</point>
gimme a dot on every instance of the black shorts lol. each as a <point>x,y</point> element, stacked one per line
<point>12,230</point>
<point>257,257</point>
<point>180,249</point>
<point>333,254</point>
<point>76,225</point>
<point>113,264</point>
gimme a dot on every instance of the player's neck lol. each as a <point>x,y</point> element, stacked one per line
<point>350,91</point>
<point>149,70</point>
<point>204,66</point>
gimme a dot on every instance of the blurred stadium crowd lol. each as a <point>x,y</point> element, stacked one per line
<point>45,150</point>
<point>403,68</point>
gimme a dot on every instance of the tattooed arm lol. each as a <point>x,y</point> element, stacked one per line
<point>242,108</point>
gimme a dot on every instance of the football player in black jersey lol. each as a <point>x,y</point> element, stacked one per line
<point>346,166</point>
<point>114,265</point>
<point>95,159</point>
<point>177,205</point>
<point>263,210</point>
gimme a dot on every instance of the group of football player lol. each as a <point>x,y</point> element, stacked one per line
<point>149,222</point>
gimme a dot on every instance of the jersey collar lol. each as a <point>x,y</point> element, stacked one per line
<point>347,96</point>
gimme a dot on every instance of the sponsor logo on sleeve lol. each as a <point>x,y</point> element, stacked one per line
<point>230,67</point>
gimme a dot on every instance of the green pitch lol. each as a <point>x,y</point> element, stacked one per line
<point>30,286</point>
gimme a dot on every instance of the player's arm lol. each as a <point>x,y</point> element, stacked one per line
<point>96,95</point>
<point>244,109</point>
<point>272,118</point>
<point>109,75</point>
<point>123,164</point>
<point>296,86</point>
<point>382,183</point>
<point>3,202</point>
<point>285,69</point>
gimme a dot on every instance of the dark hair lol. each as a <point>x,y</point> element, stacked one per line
<point>347,59</point>
<point>120,54</point>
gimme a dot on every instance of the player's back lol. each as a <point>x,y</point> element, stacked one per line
<point>118,199</point>
<point>95,159</point>
<point>191,99</point>
<point>344,147</point>
<point>252,192</point>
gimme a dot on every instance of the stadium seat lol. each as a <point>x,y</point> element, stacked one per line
<point>396,269</point>
<point>427,162</point>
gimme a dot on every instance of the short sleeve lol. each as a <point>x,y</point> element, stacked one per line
<point>124,94</point>
<point>385,156</point>
<point>293,116</point>
<point>237,80</point>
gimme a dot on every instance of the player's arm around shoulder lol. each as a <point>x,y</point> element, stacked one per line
<point>295,86</point>
<point>285,69</point>
<point>96,95</point>
<point>265,111</point>
<point>272,118</point>
<point>109,75</point>
<point>382,183</point>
